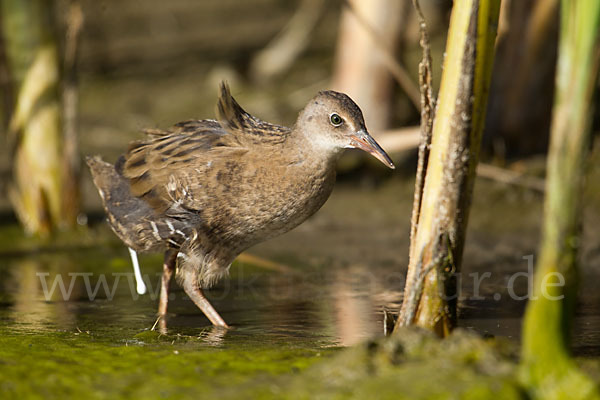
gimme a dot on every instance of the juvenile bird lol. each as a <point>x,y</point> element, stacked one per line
<point>206,190</point>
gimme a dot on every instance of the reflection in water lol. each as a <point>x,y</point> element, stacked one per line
<point>214,335</point>
<point>354,308</point>
<point>334,307</point>
<point>30,310</point>
<point>338,306</point>
<point>63,291</point>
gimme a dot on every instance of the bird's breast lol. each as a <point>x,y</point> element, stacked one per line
<point>264,200</point>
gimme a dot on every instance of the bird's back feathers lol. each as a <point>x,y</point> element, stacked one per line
<point>247,128</point>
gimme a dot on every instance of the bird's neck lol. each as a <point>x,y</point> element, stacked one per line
<point>308,147</point>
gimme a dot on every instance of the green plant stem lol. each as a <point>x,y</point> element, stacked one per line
<point>547,365</point>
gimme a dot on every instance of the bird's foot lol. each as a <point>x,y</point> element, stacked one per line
<point>160,324</point>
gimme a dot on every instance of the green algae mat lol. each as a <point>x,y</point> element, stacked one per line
<point>150,365</point>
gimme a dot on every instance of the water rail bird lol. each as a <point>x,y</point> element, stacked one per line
<point>203,191</point>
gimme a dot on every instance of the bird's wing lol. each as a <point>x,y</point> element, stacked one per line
<point>248,129</point>
<point>168,169</point>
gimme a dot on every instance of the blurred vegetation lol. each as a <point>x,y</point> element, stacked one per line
<point>35,131</point>
<point>548,367</point>
<point>518,121</point>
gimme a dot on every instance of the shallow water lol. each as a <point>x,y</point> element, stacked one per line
<point>94,290</point>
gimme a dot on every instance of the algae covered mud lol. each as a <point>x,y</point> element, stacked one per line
<point>72,324</point>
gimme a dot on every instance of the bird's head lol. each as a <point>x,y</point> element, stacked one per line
<point>332,121</point>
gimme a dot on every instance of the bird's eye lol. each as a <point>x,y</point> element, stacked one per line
<point>336,120</point>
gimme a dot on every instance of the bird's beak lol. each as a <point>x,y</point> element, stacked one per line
<point>362,140</point>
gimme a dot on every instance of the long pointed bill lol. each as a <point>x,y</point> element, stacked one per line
<point>362,140</point>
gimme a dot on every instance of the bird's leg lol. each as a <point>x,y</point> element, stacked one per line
<point>168,269</point>
<point>190,286</point>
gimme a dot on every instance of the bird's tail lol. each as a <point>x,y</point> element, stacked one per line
<point>126,213</point>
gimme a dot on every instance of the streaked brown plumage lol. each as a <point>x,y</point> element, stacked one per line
<point>206,190</point>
